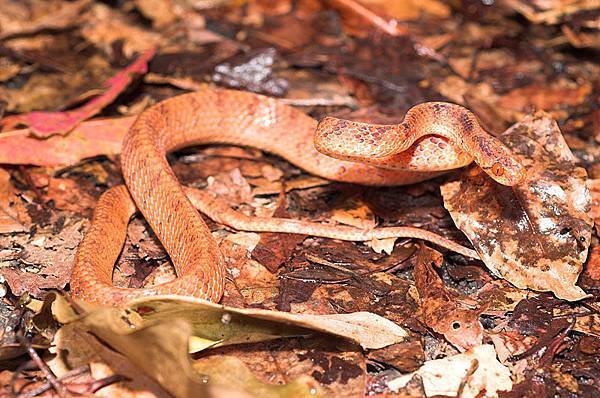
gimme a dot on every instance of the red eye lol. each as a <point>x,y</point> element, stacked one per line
<point>497,169</point>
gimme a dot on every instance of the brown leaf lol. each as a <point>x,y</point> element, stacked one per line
<point>161,12</point>
<point>253,72</point>
<point>80,78</point>
<point>441,308</point>
<point>540,96</point>
<point>156,357</point>
<point>411,9</point>
<point>66,16</point>
<point>275,248</point>
<point>508,343</point>
<point>68,195</point>
<point>406,356</point>
<point>232,187</point>
<point>472,374</point>
<point>536,234</point>
<point>592,268</point>
<point>594,187</point>
<point>13,214</point>
<point>104,26</point>
<point>358,18</point>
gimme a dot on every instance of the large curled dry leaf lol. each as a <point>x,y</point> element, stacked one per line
<point>155,334</point>
<point>160,351</point>
<point>219,324</point>
<point>536,234</point>
<point>215,324</point>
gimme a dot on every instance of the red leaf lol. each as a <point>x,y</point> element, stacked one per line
<point>48,124</point>
<point>91,138</point>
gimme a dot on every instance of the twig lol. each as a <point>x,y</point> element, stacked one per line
<point>46,386</point>
<point>60,390</point>
<point>391,27</point>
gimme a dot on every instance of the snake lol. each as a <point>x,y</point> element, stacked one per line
<point>433,137</point>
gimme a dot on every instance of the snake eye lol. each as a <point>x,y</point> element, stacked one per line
<point>497,169</point>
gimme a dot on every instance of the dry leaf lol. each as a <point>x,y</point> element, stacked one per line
<point>227,325</point>
<point>161,12</point>
<point>248,240</point>
<point>275,249</point>
<point>355,213</point>
<point>105,26</point>
<point>541,96</point>
<point>253,72</point>
<point>231,187</point>
<point>466,375</point>
<point>382,245</point>
<point>13,214</point>
<point>231,375</point>
<point>410,9</point>
<point>358,18</point>
<point>64,17</point>
<point>161,330</point>
<point>160,350</point>
<point>536,234</point>
<point>69,195</point>
<point>594,187</point>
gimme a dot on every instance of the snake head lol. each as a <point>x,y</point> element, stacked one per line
<point>498,161</point>
<point>507,171</point>
<point>355,141</point>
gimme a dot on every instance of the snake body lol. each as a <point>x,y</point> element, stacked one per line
<point>432,138</point>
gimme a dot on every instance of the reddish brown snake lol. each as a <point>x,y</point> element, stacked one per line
<point>433,137</point>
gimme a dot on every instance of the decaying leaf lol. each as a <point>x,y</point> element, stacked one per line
<point>594,187</point>
<point>552,98</point>
<point>382,245</point>
<point>161,12</point>
<point>274,249</point>
<point>253,72</point>
<point>355,213</point>
<point>466,375</point>
<point>442,309</point>
<point>536,234</point>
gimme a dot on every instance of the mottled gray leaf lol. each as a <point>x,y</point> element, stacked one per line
<point>536,234</point>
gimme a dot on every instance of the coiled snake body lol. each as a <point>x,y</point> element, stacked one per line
<point>433,137</point>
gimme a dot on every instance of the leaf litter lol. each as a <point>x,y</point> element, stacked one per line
<point>362,59</point>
